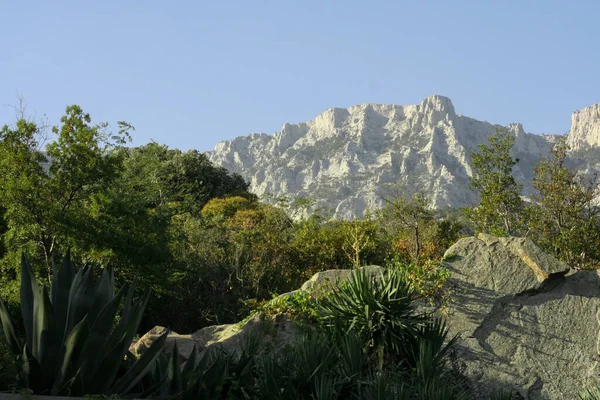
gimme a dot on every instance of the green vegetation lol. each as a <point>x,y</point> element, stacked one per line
<point>74,343</point>
<point>500,208</point>
<point>212,253</point>
<point>336,359</point>
<point>564,218</point>
<point>590,394</point>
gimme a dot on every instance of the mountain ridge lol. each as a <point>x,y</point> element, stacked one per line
<point>347,158</point>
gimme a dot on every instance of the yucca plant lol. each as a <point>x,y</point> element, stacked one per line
<point>73,344</point>
<point>429,349</point>
<point>214,374</point>
<point>590,394</point>
<point>379,309</point>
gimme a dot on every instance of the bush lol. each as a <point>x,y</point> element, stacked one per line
<point>9,369</point>
<point>380,309</point>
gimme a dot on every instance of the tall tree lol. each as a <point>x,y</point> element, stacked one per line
<point>566,219</point>
<point>501,210</point>
<point>46,195</point>
<point>414,221</point>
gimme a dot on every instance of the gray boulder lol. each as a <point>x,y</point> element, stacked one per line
<point>277,330</point>
<point>525,321</point>
<point>323,280</point>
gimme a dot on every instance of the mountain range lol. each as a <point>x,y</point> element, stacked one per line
<point>350,159</point>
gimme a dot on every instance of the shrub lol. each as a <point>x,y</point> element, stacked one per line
<point>9,369</point>
<point>379,309</point>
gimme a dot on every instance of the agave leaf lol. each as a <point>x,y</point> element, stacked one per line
<point>140,368</point>
<point>73,345</point>
<point>105,291</point>
<point>101,382</point>
<point>173,381</point>
<point>189,367</point>
<point>151,390</point>
<point>159,372</point>
<point>129,300</point>
<point>44,344</point>
<point>9,331</point>
<point>121,329</point>
<point>99,332</point>
<point>74,386</point>
<point>192,392</point>
<point>114,355</point>
<point>62,279</point>
<point>34,378</point>
<point>29,287</point>
<point>80,297</point>
<point>135,316</point>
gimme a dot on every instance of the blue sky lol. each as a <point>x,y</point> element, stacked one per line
<point>193,73</point>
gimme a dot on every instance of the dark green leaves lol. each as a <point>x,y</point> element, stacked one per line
<point>73,346</point>
<point>500,211</point>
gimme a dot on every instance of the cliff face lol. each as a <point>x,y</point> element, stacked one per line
<point>347,159</point>
<point>585,128</point>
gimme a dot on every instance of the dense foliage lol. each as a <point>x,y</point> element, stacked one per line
<point>75,340</point>
<point>499,209</point>
<point>564,216</point>
<point>211,252</point>
<point>75,345</point>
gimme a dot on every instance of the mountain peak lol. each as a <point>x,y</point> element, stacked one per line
<point>585,128</point>
<point>439,103</point>
<point>345,159</point>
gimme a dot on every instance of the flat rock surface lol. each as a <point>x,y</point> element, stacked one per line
<point>525,321</point>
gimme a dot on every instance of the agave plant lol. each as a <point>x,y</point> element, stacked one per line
<point>213,374</point>
<point>590,394</point>
<point>73,344</point>
<point>380,309</point>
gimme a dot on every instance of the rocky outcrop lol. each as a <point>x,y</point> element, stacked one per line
<point>325,279</point>
<point>585,128</point>
<point>278,329</point>
<point>525,321</point>
<point>229,337</point>
<point>347,159</point>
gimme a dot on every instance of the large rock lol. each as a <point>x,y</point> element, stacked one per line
<point>525,321</point>
<point>270,330</point>
<point>185,343</point>
<point>325,279</point>
<point>274,330</point>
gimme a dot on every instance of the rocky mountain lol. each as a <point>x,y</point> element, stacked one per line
<point>585,128</point>
<point>349,159</point>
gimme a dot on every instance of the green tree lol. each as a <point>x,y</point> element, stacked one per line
<point>3,230</point>
<point>412,221</point>
<point>187,262</point>
<point>46,195</point>
<point>500,210</point>
<point>177,181</point>
<point>360,239</point>
<point>566,219</point>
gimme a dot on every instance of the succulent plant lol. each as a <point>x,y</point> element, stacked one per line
<point>74,344</point>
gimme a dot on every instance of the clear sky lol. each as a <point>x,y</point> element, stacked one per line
<point>193,73</point>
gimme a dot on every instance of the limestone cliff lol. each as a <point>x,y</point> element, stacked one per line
<point>585,128</point>
<point>347,159</point>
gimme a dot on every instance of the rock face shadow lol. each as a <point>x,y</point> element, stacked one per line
<point>525,321</point>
